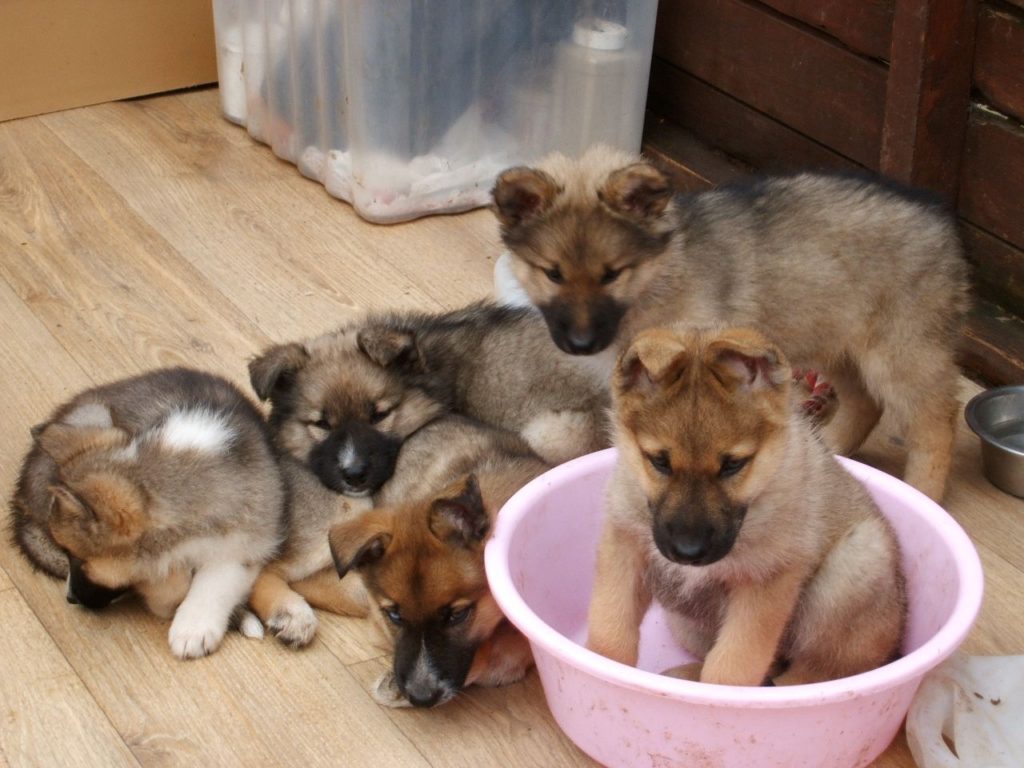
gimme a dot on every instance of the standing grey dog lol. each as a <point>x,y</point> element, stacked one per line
<point>858,278</point>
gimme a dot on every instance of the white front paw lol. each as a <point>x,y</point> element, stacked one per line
<point>386,693</point>
<point>294,624</point>
<point>193,637</point>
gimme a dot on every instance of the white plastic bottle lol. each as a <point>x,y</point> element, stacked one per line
<point>598,77</point>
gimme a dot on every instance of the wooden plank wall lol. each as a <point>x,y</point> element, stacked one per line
<point>930,92</point>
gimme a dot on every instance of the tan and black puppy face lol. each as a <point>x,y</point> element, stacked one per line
<point>701,416</point>
<point>98,512</point>
<point>344,403</point>
<point>423,566</point>
<point>586,236</point>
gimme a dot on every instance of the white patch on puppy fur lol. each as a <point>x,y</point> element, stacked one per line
<point>197,430</point>
<point>507,289</point>
<point>347,455</point>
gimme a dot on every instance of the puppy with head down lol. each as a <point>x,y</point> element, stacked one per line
<point>420,553</point>
<point>165,484</point>
<point>725,506</point>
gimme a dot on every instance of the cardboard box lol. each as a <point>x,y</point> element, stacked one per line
<point>58,54</point>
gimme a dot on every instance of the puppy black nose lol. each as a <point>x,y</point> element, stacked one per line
<point>424,699</point>
<point>581,342</point>
<point>421,692</point>
<point>353,467</point>
<point>688,550</point>
<point>355,474</point>
<point>682,544</point>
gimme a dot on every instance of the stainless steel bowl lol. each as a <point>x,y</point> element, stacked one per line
<point>997,417</point>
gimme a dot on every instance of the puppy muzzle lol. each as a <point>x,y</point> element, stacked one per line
<point>697,542</point>
<point>355,459</point>
<point>428,669</point>
<point>583,329</point>
<point>82,591</point>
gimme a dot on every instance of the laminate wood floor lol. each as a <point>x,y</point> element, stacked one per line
<point>152,232</point>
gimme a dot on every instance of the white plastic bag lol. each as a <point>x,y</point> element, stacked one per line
<point>974,704</point>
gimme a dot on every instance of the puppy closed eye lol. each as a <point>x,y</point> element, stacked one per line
<point>660,461</point>
<point>378,413</point>
<point>393,615</point>
<point>732,465</point>
<point>554,274</point>
<point>455,616</point>
<point>319,425</point>
<point>611,275</point>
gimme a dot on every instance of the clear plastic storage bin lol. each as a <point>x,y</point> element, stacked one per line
<point>411,107</point>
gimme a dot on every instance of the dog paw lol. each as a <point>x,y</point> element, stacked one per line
<point>247,624</point>
<point>558,436</point>
<point>194,638</point>
<point>294,624</point>
<point>386,693</point>
<point>689,672</point>
<point>505,673</point>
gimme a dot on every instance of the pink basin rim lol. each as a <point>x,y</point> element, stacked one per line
<point>904,670</point>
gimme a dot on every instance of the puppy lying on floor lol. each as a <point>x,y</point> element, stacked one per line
<point>422,562</point>
<point>166,484</point>
<point>725,506</point>
<point>343,403</point>
<point>345,406</point>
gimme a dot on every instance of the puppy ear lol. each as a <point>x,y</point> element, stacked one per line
<point>62,441</point>
<point>68,507</point>
<point>742,357</point>
<point>656,358</point>
<point>389,347</point>
<point>87,414</point>
<point>522,194</point>
<point>458,517</point>
<point>359,542</point>
<point>103,498</point>
<point>272,372</point>
<point>639,191</point>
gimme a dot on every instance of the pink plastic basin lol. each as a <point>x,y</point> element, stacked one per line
<point>540,564</point>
